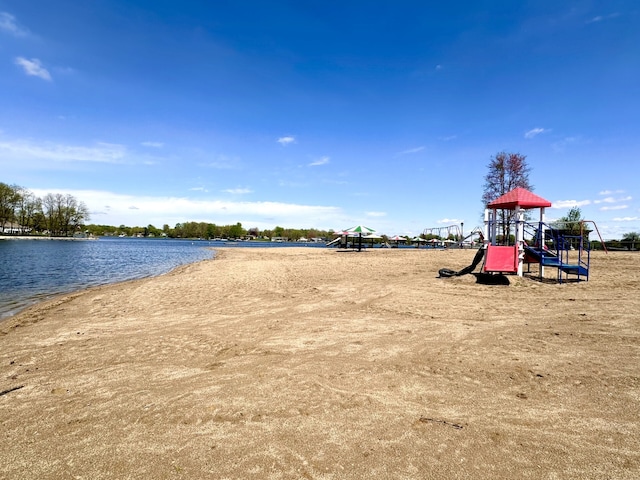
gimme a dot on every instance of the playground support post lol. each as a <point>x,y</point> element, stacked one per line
<point>520,237</point>
<point>542,234</point>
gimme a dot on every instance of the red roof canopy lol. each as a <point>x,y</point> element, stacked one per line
<point>520,197</point>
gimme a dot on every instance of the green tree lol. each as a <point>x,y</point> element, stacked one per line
<point>212,230</point>
<point>630,240</point>
<point>152,231</point>
<point>571,223</point>
<point>9,199</point>
<point>236,231</point>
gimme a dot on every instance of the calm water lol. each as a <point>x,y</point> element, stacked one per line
<point>34,270</point>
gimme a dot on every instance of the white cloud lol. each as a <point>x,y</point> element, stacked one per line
<point>570,203</point>
<point>238,191</point>
<point>101,152</point>
<point>448,138</point>
<point>34,68</point>
<point>535,132</point>
<point>9,24</point>
<point>626,219</point>
<point>284,141</point>
<point>449,221</point>
<point>198,189</point>
<point>134,210</point>
<point>320,161</point>
<point>152,144</point>
<point>610,192</point>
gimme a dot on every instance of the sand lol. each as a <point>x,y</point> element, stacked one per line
<point>290,363</point>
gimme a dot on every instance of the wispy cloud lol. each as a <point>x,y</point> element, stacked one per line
<point>287,140</point>
<point>9,24</point>
<point>376,214</point>
<point>561,145</point>
<point>152,144</point>
<point>101,152</point>
<point>613,207</point>
<point>449,221</point>
<point>602,18</point>
<point>291,184</point>
<point>614,200</point>
<point>448,138</point>
<point>412,150</point>
<point>198,189</point>
<point>610,192</point>
<point>33,68</point>
<point>320,161</point>
<point>238,191</point>
<point>570,203</point>
<point>626,219</point>
<point>535,132</point>
<point>221,162</point>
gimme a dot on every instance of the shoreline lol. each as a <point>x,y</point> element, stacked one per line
<point>45,298</point>
<point>19,290</point>
<point>298,362</point>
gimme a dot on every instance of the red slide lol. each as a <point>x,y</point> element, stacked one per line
<point>501,259</point>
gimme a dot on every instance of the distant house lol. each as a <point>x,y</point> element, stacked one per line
<point>13,229</point>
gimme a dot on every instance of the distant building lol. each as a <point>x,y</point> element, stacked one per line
<point>13,229</point>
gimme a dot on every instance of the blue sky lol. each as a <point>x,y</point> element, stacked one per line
<point>320,114</point>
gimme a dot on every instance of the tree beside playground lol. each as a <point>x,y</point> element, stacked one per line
<point>506,171</point>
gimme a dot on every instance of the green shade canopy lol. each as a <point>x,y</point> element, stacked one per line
<point>360,229</point>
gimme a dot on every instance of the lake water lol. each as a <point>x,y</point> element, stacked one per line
<point>34,270</point>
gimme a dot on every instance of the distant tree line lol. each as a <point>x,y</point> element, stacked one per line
<point>55,214</point>
<point>23,213</point>
<point>209,231</point>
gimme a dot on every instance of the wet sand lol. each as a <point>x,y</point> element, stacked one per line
<point>290,363</point>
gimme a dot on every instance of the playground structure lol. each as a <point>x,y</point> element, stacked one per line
<point>451,232</point>
<point>550,247</point>
<point>506,251</point>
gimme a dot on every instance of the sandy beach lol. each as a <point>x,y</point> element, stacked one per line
<point>291,363</point>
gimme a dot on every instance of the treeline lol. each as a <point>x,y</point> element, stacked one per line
<point>209,231</point>
<point>629,241</point>
<point>23,213</point>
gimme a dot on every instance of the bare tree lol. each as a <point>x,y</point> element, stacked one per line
<point>63,214</point>
<point>51,206</point>
<point>28,207</point>
<point>506,172</point>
